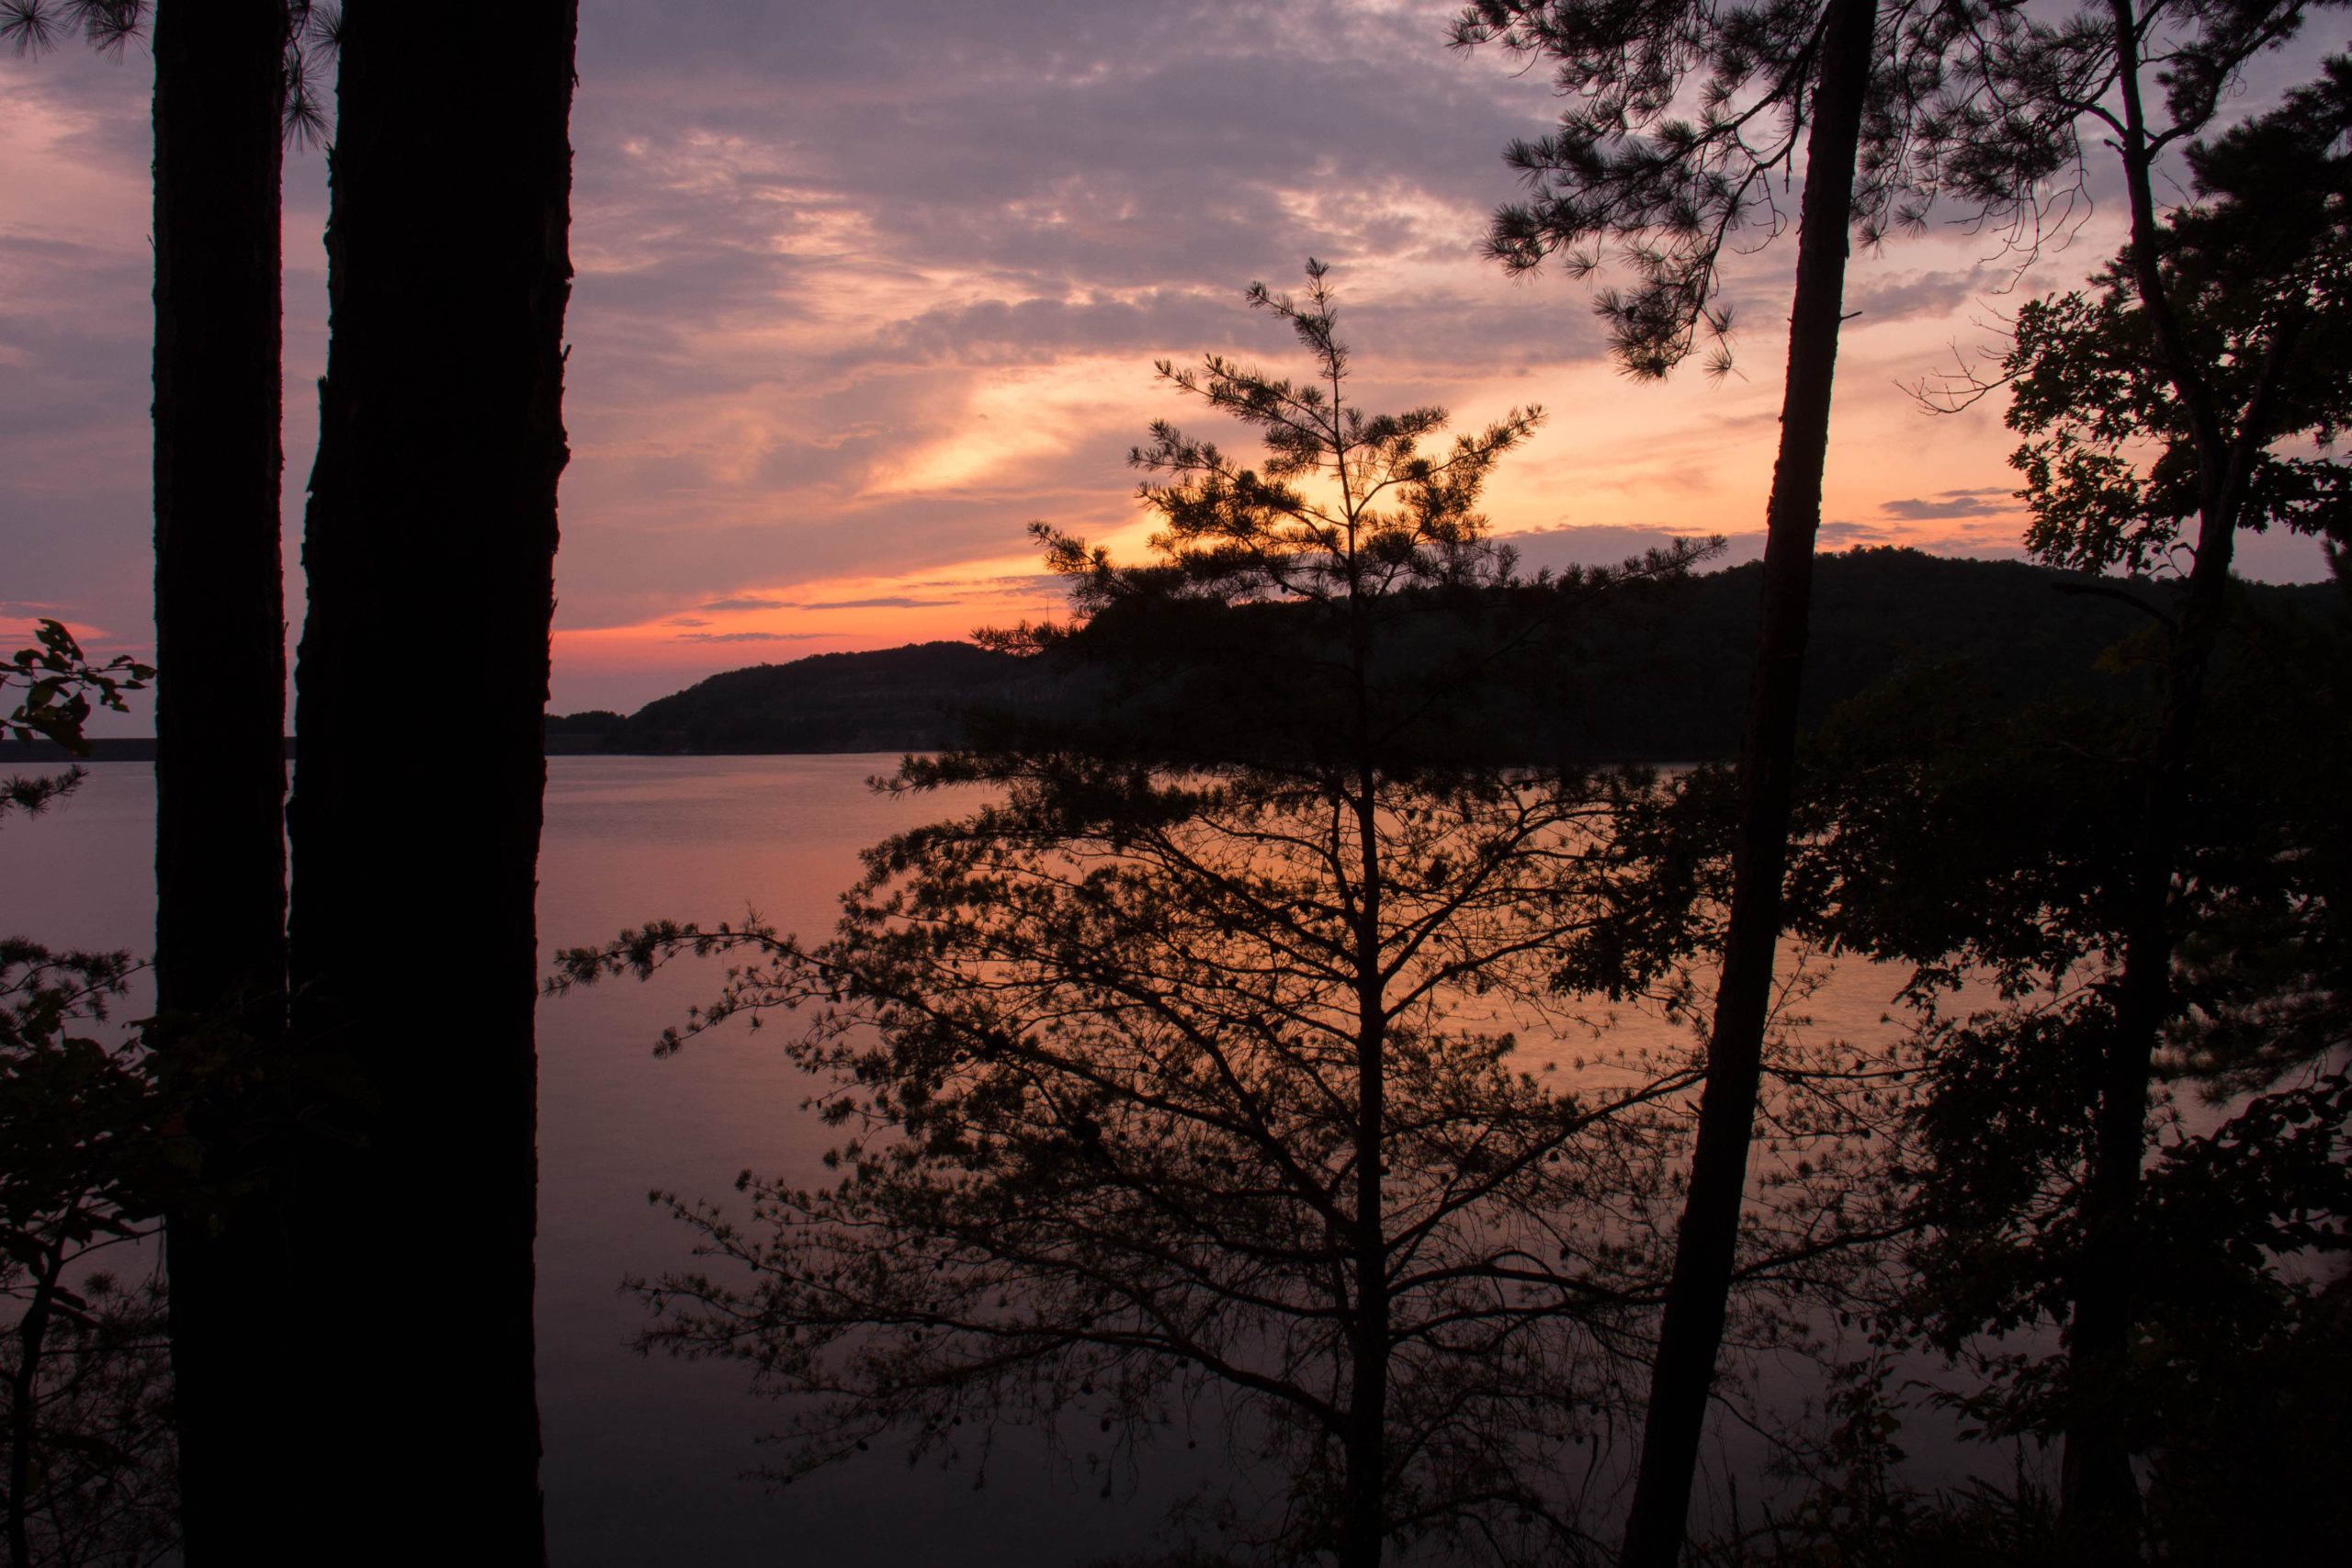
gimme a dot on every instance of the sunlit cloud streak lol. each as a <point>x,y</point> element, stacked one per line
<point>849,315</point>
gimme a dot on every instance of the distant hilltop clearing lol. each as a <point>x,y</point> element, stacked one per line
<point>1667,681</point>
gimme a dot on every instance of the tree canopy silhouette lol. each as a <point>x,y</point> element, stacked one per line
<point>1626,168</point>
<point>1901,107</point>
<point>1166,1078</point>
<point>87,1457</point>
<point>2257,274</point>
<point>2156,885</point>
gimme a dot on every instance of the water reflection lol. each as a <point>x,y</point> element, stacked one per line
<point>1168,1103</point>
<point>643,1455</point>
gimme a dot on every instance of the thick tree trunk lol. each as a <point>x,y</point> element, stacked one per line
<point>1685,1368</point>
<point>422,686</point>
<point>219,762</point>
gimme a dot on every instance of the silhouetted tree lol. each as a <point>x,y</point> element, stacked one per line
<point>1677,195</point>
<point>220,105</point>
<point>431,535</point>
<point>2163,409</point>
<point>1185,1069</point>
<point>85,1429</point>
<point>60,688</point>
<point>2194,54</point>
<point>1186,1092</point>
<point>306,41</point>
<point>232,81</point>
<point>85,1450</point>
<point>1978,104</point>
<point>1993,851</point>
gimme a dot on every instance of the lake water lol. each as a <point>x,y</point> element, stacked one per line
<point>643,1454</point>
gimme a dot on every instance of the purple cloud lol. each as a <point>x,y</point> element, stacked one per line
<point>745,637</point>
<point>1951,503</point>
<point>890,601</point>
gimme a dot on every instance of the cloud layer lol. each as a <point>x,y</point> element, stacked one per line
<point>864,290</point>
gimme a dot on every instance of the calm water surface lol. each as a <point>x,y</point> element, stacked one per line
<point>643,1455</point>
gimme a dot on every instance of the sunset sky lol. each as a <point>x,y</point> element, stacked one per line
<point>864,288</point>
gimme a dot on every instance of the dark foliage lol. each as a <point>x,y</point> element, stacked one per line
<point>57,686</point>
<point>310,29</point>
<point>1992,851</point>
<point>86,1451</point>
<point>1652,672</point>
<point>2258,273</point>
<point>1688,124</point>
<point>900,699</point>
<point>1186,1068</point>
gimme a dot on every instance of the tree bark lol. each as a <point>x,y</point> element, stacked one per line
<point>219,761</point>
<point>421,692</point>
<point>1684,1372</point>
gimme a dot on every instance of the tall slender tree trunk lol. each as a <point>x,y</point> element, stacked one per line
<point>1684,1372</point>
<point>1364,1515</point>
<point>422,686</point>
<point>219,762</point>
<point>2098,1494</point>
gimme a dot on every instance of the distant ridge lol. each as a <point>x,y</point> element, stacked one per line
<point>894,699</point>
<point>1668,683</point>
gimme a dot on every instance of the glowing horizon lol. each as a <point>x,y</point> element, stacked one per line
<point>846,321</point>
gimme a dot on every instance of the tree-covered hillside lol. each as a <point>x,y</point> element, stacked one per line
<point>1665,678</point>
<point>890,700</point>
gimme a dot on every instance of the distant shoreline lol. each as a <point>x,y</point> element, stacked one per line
<point>1667,676</point>
<point>142,748</point>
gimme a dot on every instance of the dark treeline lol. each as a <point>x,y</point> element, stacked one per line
<point>1661,678</point>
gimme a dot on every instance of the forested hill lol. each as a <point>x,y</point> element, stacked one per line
<point>895,699</point>
<point>1668,681</point>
